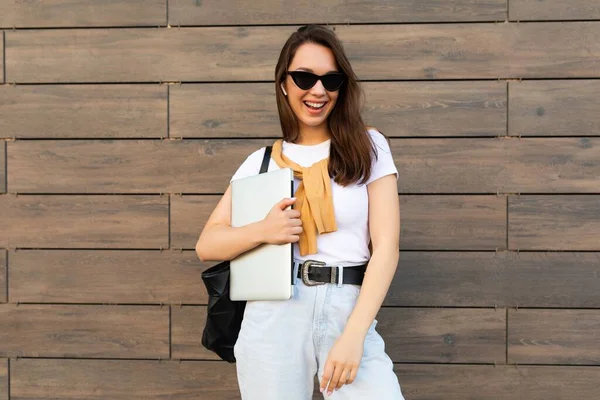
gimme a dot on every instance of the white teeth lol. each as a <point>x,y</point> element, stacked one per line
<point>315,105</point>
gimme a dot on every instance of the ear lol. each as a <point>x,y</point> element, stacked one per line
<point>283,89</point>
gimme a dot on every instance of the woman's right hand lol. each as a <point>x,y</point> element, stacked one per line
<point>282,226</point>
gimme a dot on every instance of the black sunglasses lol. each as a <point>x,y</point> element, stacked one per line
<point>305,80</point>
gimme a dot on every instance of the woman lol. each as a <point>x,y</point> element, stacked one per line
<point>345,203</point>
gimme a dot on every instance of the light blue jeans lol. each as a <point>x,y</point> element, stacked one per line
<point>283,344</point>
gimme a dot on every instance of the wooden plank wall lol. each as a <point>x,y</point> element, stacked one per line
<point>122,121</point>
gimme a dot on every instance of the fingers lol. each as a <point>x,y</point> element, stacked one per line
<point>327,373</point>
<point>335,379</point>
<point>337,376</point>
<point>352,376</point>
<point>292,213</point>
<point>284,203</point>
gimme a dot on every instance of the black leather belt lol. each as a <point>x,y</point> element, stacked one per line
<point>315,273</point>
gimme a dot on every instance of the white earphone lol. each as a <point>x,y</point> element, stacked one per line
<point>283,89</point>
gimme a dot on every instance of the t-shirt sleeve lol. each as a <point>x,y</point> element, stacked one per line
<point>383,163</point>
<point>250,166</point>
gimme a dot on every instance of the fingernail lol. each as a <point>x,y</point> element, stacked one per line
<point>322,390</point>
<point>329,393</point>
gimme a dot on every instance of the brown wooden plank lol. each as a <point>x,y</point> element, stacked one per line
<point>436,109</point>
<point>411,335</point>
<point>4,379</point>
<point>3,187</point>
<point>428,222</point>
<point>83,111</point>
<point>489,279</point>
<point>443,335</point>
<point>84,331</point>
<point>84,221</point>
<point>187,324</point>
<point>123,380</point>
<point>471,51</point>
<point>554,222</point>
<point>395,108</point>
<point>3,57</point>
<point>399,51</point>
<point>459,382</point>
<point>82,13</point>
<point>124,166</point>
<point>188,217</point>
<point>139,55</point>
<point>229,12</point>
<point>453,222</point>
<point>223,110</point>
<point>554,336</point>
<point>3,274</point>
<point>554,9</point>
<point>104,276</point>
<point>565,108</point>
<point>507,165</point>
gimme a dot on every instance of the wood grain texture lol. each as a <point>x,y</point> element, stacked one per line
<point>224,110</point>
<point>489,382</point>
<point>104,276</point>
<point>2,50</point>
<point>83,111</point>
<point>81,13</point>
<point>507,165</point>
<point>413,51</point>
<point>84,221</point>
<point>188,217</point>
<point>428,222</point>
<point>554,336</point>
<point>453,222</point>
<point>544,108</point>
<point>123,380</point>
<point>490,279</point>
<point>554,9</point>
<point>3,187</point>
<point>395,108</point>
<point>142,55</point>
<point>473,51</point>
<point>436,109</point>
<point>126,166</point>
<point>3,274</point>
<point>554,222</point>
<point>443,335</point>
<point>187,324</point>
<point>4,379</point>
<point>84,331</point>
<point>229,12</point>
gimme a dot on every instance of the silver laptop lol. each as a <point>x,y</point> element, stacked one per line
<point>265,272</point>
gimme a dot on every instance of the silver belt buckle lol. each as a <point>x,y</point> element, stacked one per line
<point>304,268</point>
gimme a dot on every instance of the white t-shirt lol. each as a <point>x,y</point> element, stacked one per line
<point>350,243</point>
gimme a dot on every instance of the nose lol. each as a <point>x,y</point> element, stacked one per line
<point>318,89</point>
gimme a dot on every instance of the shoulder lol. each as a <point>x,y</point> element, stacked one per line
<point>380,142</point>
<point>251,165</point>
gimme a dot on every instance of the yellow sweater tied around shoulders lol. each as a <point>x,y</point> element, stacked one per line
<point>314,199</point>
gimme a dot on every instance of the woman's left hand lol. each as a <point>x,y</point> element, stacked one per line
<point>342,362</point>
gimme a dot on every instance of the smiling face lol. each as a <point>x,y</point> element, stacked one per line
<point>312,106</point>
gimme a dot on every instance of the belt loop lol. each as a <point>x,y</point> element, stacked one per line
<point>295,273</point>
<point>340,276</point>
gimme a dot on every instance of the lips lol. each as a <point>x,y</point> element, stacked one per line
<point>314,107</point>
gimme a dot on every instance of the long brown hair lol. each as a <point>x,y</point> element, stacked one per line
<point>351,147</point>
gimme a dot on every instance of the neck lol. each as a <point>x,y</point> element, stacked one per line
<point>311,135</point>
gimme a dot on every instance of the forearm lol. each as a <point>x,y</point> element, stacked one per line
<point>222,242</point>
<point>378,277</point>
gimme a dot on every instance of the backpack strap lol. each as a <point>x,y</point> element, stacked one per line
<point>265,162</point>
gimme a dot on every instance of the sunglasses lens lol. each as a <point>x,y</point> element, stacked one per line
<point>332,82</point>
<point>304,80</point>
